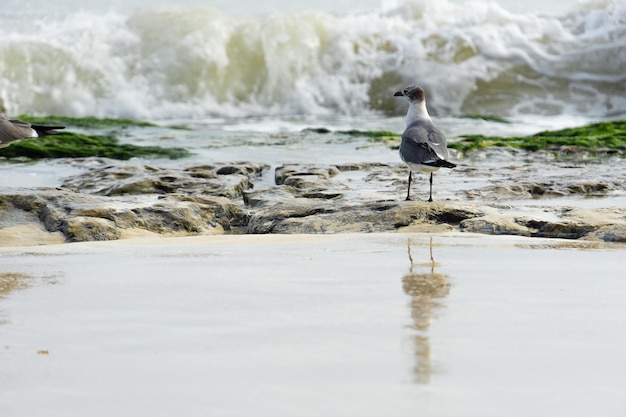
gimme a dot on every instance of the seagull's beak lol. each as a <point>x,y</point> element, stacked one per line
<point>398,94</point>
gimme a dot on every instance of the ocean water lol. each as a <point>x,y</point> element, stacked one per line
<point>224,59</point>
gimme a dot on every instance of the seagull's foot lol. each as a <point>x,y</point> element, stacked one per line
<point>430,200</point>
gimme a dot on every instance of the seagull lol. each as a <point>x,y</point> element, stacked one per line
<point>423,146</point>
<point>15,130</point>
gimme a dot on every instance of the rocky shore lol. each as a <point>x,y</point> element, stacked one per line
<point>114,199</point>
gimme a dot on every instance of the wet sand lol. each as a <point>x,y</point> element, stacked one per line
<point>366,325</point>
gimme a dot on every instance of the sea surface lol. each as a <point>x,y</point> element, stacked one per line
<point>248,76</point>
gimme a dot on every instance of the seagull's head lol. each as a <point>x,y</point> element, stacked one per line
<point>413,93</point>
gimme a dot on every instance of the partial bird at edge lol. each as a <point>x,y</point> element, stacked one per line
<point>12,130</point>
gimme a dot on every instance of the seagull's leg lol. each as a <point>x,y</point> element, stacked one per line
<point>409,189</point>
<point>430,198</point>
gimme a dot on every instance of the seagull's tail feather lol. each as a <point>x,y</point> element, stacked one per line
<point>439,163</point>
<point>447,164</point>
<point>46,130</point>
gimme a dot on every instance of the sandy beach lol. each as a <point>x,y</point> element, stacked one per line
<point>395,324</point>
<point>221,229</point>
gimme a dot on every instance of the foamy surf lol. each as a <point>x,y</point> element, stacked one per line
<point>175,62</point>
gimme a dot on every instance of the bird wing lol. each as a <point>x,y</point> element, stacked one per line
<point>411,151</point>
<point>12,130</point>
<point>422,140</point>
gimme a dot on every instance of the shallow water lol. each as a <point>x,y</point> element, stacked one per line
<point>364,325</point>
<point>275,140</point>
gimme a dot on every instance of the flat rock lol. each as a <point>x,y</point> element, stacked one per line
<point>376,216</point>
<point>113,199</point>
<point>112,178</point>
<point>81,217</point>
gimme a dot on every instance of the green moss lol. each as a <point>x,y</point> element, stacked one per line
<point>602,138</point>
<point>386,137</point>
<point>595,137</point>
<point>370,133</point>
<point>180,127</point>
<point>487,117</point>
<point>320,130</point>
<point>375,134</point>
<point>67,144</point>
<point>85,122</point>
<point>74,145</point>
<point>390,139</point>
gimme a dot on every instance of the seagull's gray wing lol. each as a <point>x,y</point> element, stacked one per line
<point>12,130</point>
<point>415,152</point>
<point>422,142</point>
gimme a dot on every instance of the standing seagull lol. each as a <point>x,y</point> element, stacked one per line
<point>14,130</point>
<point>423,146</point>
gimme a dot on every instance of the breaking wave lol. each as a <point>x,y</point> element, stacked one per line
<point>172,62</point>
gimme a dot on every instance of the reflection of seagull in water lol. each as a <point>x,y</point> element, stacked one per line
<point>15,130</point>
<point>427,290</point>
<point>423,146</point>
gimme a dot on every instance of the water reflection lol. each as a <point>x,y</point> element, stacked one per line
<point>15,281</point>
<point>11,281</point>
<point>427,290</point>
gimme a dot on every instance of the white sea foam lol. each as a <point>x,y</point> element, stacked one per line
<point>193,62</point>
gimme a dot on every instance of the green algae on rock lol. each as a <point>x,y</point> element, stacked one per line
<point>485,117</point>
<point>604,138</point>
<point>386,137</point>
<point>68,144</point>
<point>601,138</point>
<point>76,145</point>
<point>86,122</point>
<point>390,139</point>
